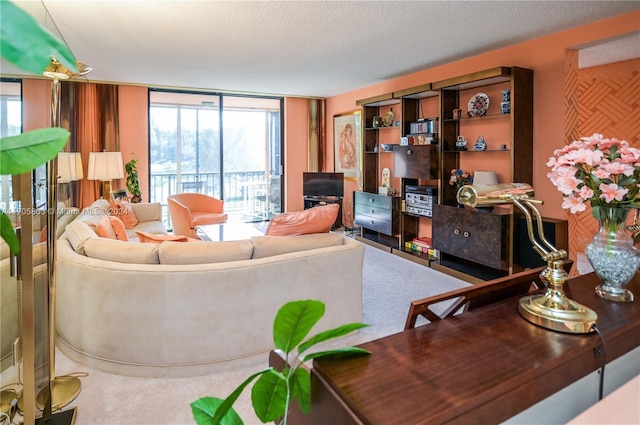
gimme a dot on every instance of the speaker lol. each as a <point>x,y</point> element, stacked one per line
<point>556,232</point>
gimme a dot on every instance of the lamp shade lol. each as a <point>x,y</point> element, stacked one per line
<point>484,177</point>
<point>69,167</point>
<point>105,166</point>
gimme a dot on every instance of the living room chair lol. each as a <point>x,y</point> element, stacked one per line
<point>478,295</point>
<point>189,210</point>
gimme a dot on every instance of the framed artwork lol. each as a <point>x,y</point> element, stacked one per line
<point>119,194</point>
<point>347,139</point>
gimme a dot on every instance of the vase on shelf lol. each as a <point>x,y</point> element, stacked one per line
<point>613,256</point>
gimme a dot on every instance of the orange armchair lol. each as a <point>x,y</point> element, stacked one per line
<point>188,210</point>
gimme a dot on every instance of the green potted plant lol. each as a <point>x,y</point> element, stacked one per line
<point>133,184</point>
<point>272,393</point>
<point>29,46</point>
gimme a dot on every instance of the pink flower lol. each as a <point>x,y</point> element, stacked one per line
<point>617,168</point>
<point>598,171</point>
<point>612,191</point>
<point>573,204</point>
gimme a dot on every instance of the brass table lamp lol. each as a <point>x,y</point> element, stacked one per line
<point>553,309</point>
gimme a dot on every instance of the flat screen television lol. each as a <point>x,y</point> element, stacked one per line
<point>323,184</point>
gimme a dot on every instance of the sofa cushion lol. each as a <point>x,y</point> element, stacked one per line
<point>78,232</point>
<point>101,205</point>
<point>155,227</point>
<point>93,213</point>
<point>314,220</point>
<point>204,252</point>
<point>121,251</point>
<point>155,238</point>
<point>123,210</point>
<point>267,246</point>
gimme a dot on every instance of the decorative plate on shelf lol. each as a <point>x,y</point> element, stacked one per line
<point>478,105</point>
<point>388,118</point>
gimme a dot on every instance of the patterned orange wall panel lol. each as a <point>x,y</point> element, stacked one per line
<point>603,99</point>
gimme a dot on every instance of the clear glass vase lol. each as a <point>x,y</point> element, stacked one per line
<point>613,256</point>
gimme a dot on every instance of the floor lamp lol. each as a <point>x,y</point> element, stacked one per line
<point>61,390</point>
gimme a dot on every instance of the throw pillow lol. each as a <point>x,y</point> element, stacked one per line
<point>151,238</point>
<point>104,229</point>
<point>43,235</point>
<point>122,209</point>
<point>314,220</point>
<point>111,227</point>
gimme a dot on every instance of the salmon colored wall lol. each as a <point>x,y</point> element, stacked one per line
<point>133,108</point>
<point>545,56</point>
<point>296,138</point>
<point>36,104</point>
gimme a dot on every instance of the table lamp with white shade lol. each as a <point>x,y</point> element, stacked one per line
<point>69,170</point>
<point>484,177</point>
<point>105,166</point>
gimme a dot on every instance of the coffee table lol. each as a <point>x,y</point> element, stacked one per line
<point>232,231</point>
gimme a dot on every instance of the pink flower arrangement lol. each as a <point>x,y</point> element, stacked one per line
<point>601,172</point>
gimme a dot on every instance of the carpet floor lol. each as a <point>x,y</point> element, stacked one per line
<point>390,283</point>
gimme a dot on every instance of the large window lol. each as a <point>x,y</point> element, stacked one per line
<point>225,146</point>
<point>10,125</point>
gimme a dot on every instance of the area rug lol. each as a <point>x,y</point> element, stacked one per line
<point>390,283</point>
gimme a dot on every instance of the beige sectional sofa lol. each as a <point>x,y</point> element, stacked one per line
<point>178,309</point>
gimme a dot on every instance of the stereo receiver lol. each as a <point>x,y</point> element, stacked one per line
<point>419,200</point>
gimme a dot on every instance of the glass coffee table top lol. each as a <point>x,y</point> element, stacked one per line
<point>231,231</point>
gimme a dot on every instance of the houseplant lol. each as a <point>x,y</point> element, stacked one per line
<point>604,173</point>
<point>133,184</point>
<point>272,393</point>
<point>29,46</point>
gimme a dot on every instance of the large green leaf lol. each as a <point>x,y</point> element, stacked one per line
<point>204,409</point>
<point>301,389</point>
<point>28,45</point>
<point>338,354</point>
<point>8,233</point>
<point>216,412</point>
<point>294,321</point>
<point>330,334</point>
<point>269,396</point>
<point>24,152</point>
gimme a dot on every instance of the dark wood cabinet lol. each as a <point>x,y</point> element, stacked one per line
<point>416,162</point>
<point>481,237</point>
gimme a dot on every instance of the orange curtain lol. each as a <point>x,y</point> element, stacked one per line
<point>90,112</point>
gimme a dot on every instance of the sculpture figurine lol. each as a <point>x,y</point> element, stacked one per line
<point>481,144</point>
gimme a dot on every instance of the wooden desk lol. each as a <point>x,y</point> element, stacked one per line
<point>484,366</point>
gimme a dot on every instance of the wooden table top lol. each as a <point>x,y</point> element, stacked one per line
<point>483,366</point>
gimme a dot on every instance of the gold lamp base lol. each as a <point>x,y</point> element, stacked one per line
<point>6,402</point>
<point>64,389</point>
<point>568,316</point>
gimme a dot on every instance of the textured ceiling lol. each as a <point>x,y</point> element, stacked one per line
<point>299,48</point>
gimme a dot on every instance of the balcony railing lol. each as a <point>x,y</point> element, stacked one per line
<point>246,194</point>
